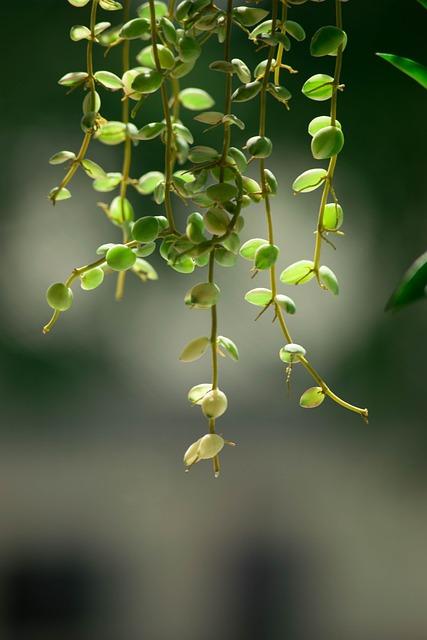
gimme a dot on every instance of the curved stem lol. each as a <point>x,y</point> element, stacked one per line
<point>91,82</point>
<point>78,271</point>
<point>168,119</point>
<point>127,157</point>
<point>273,276</point>
<point>333,160</point>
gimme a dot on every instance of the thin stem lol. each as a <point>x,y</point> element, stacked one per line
<point>171,8</point>
<point>78,271</point>
<point>211,268</point>
<point>278,313</point>
<point>91,82</point>
<point>333,161</point>
<point>280,48</point>
<point>214,325</point>
<point>228,87</point>
<point>127,157</point>
<point>169,130</point>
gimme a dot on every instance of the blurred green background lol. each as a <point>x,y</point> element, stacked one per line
<point>317,527</point>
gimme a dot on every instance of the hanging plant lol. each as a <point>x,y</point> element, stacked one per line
<point>160,47</point>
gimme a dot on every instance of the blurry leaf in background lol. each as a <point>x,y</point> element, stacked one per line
<point>413,285</point>
<point>414,70</point>
<point>423,3</point>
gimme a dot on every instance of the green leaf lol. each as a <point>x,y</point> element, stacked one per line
<point>209,117</point>
<point>265,256</point>
<point>259,146</point>
<point>146,229</point>
<point>160,9</point>
<point>250,247</point>
<point>198,392</point>
<point>320,123</point>
<point>148,81</point>
<point>135,29</point>
<point>216,221</point>
<point>59,296</point>
<point>73,79</point>
<point>100,27</point>
<point>327,40</point>
<point>230,118</point>
<point>166,58</point>
<point>120,257</point>
<point>79,3</point>
<point>144,270</point>
<point>189,49</point>
<point>200,154</point>
<point>91,103</point>
<point>151,130</point>
<point>195,99</point>
<point>259,297</point>
<point>121,210</point>
<point>271,181</point>
<point>221,192</point>
<point>312,398</point>
<point>333,216</point>
<point>149,181</point>
<point>92,279</point>
<point>57,194</point>
<point>93,169</point>
<point>108,80</point>
<point>248,16</point>
<point>295,30</point>
<point>225,258</point>
<point>169,30</point>
<point>79,32</point>
<point>291,353</point>
<point>280,93</point>
<point>237,157</point>
<point>252,188</point>
<point>286,303</point>
<point>241,70</point>
<point>194,349</point>
<point>228,346</point>
<point>103,248</point>
<point>329,280</point>
<point>298,272</point>
<point>309,180</point>
<point>318,87</point>
<point>263,28</point>
<point>413,285</point>
<point>327,142</point>
<point>414,70</point>
<point>202,296</point>
<point>423,3</point>
<point>110,5</point>
<point>112,133</point>
<point>107,183</point>
<point>247,91</point>
<point>62,156</point>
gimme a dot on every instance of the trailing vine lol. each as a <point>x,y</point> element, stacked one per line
<point>215,181</point>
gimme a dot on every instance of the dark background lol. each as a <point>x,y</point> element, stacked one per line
<point>317,526</point>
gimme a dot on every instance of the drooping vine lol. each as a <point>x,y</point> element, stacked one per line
<point>215,181</point>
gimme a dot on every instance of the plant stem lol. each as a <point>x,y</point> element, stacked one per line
<point>78,271</point>
<point>169,130</point>
<point>91,81</point>
<point>280,48</point>
<point>228,87</point>
<point>127,157</point>
<point>273,277</point>
<point>333,160</point>
<point>225,147</point>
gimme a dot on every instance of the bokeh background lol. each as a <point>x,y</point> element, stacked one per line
<point>317,527</point>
